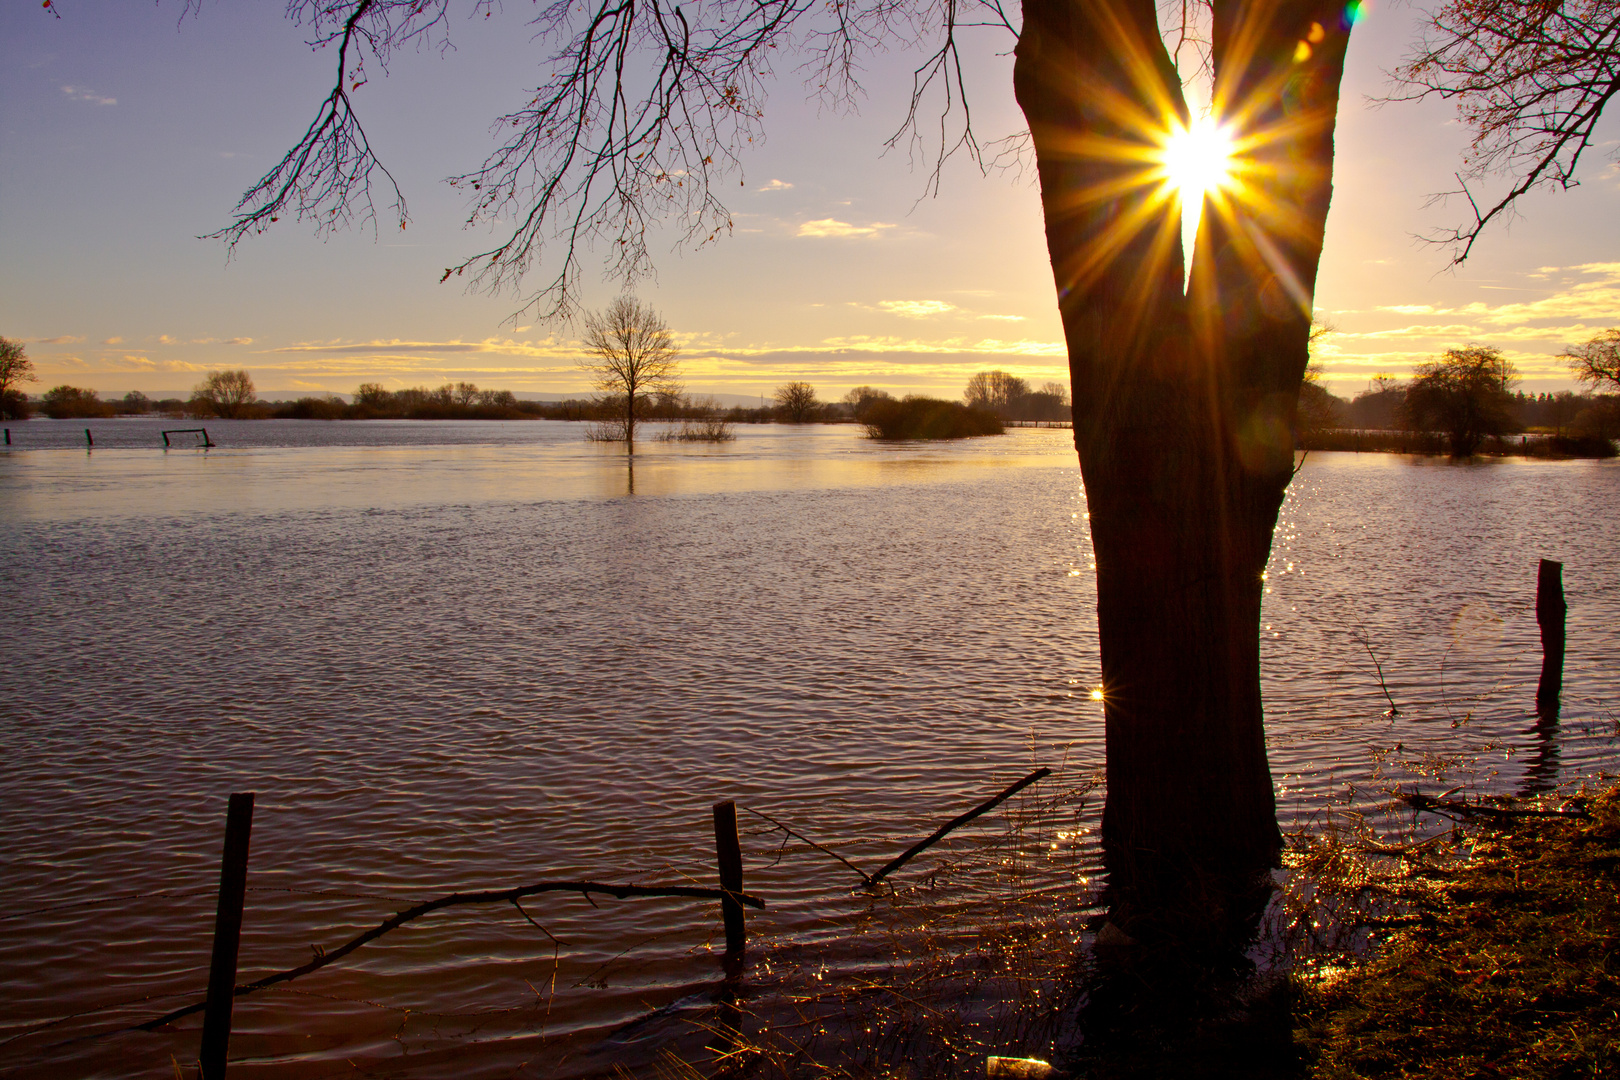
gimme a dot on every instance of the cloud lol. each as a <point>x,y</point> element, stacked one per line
<point>775,185</point>
<point>239,341</point>
<point>63,339</point>
<point>420,359</point>
<point>112,341</point>
<point>834,228</point>
<point>80,93</point>
<point>1002,318</point>
<point>916,309</point>
<point>995,346</point>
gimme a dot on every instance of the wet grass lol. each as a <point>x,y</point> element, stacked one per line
<point>1511,967</point>
<point>1487,950</point>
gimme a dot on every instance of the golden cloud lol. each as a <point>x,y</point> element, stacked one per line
<point>832,227</point>
<point>916,309</point>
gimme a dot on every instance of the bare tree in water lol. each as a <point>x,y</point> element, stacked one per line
<point>797,401</point>
<point>632,355</point>
<point>225,393</point>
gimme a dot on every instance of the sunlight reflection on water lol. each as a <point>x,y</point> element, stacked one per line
<point>479,661</point>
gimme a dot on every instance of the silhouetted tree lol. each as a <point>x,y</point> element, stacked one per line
<point>1530,80</point>
<point>797,402</point>
<point>73,402</point>
<point>1184,398</point>
<point>373,396</point>
<point>136,403</point>
<point>1379,406</point>
<point>632,355</point>
<point>1467,393</point>
<point>1597,363</point>
<point>995,391</point>
<point>15,368</point>
<point>225,393</point>
<point>862,398</point>
<point>1319,410</point>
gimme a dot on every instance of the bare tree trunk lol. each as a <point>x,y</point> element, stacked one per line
<point>630,416</point>
<point>1184,405</point>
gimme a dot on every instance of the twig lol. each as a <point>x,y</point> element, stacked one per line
<point>955,823</point>
<point>1452,808</point>
<point>493,896</point>
<point>1361,637</point>
<point>866,879</point>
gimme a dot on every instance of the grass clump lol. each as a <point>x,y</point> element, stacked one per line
<point>1511,968</point>
<point>927,418</point>
<point>711,429</point>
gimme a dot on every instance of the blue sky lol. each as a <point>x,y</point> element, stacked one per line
<point>126,132</point>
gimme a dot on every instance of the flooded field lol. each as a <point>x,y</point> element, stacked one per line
<point>473,655</point>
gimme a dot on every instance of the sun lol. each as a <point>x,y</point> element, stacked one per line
<point>1197,160</point>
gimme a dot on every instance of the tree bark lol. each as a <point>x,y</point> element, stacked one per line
<point>1184,402</point>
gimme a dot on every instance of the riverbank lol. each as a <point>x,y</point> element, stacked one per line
<point>1489,951</point>
<point>1511,969</point>
<point>1434,444</point>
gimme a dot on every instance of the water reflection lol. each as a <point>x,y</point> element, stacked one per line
<point>555,465</point>
<point>1542,772</point>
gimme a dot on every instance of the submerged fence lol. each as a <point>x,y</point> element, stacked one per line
<point>223,989</point>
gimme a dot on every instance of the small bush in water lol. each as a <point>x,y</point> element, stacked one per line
<point>928,418</point>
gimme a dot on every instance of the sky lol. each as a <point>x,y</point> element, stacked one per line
<point>128,130</point>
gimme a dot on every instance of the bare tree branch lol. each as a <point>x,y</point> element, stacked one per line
<point>1530,79</point>
<point>641,118</point>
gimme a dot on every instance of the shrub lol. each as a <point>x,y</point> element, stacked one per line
<point>928,418</point>
<point>312,408</point>
<point>1585,446</point>
<point>72,402</point>
<point>14,405</point>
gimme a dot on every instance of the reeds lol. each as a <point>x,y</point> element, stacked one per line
<point>709,429</point>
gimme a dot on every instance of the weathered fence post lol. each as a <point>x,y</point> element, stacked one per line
<point>216,1032</point>
<point>1550,613</point>
<point>728,854</point>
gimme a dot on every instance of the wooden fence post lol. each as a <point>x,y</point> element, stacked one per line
<point>216,1032</point>
<point>728,854</point>
<point>1550,613</point>
<point>89,440</point>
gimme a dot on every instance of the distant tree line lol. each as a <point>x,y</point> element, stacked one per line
<point>1011,398</point>
<point>1467,401</point>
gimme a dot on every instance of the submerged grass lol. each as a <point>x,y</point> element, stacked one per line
<point>970,955</point>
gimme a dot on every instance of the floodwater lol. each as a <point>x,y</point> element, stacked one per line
<point>457,656</point>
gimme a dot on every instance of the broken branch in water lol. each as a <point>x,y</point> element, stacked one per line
<point>493,896</point>
<point>955,823</point>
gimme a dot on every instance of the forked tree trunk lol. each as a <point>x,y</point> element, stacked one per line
<point>1184,404</point>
